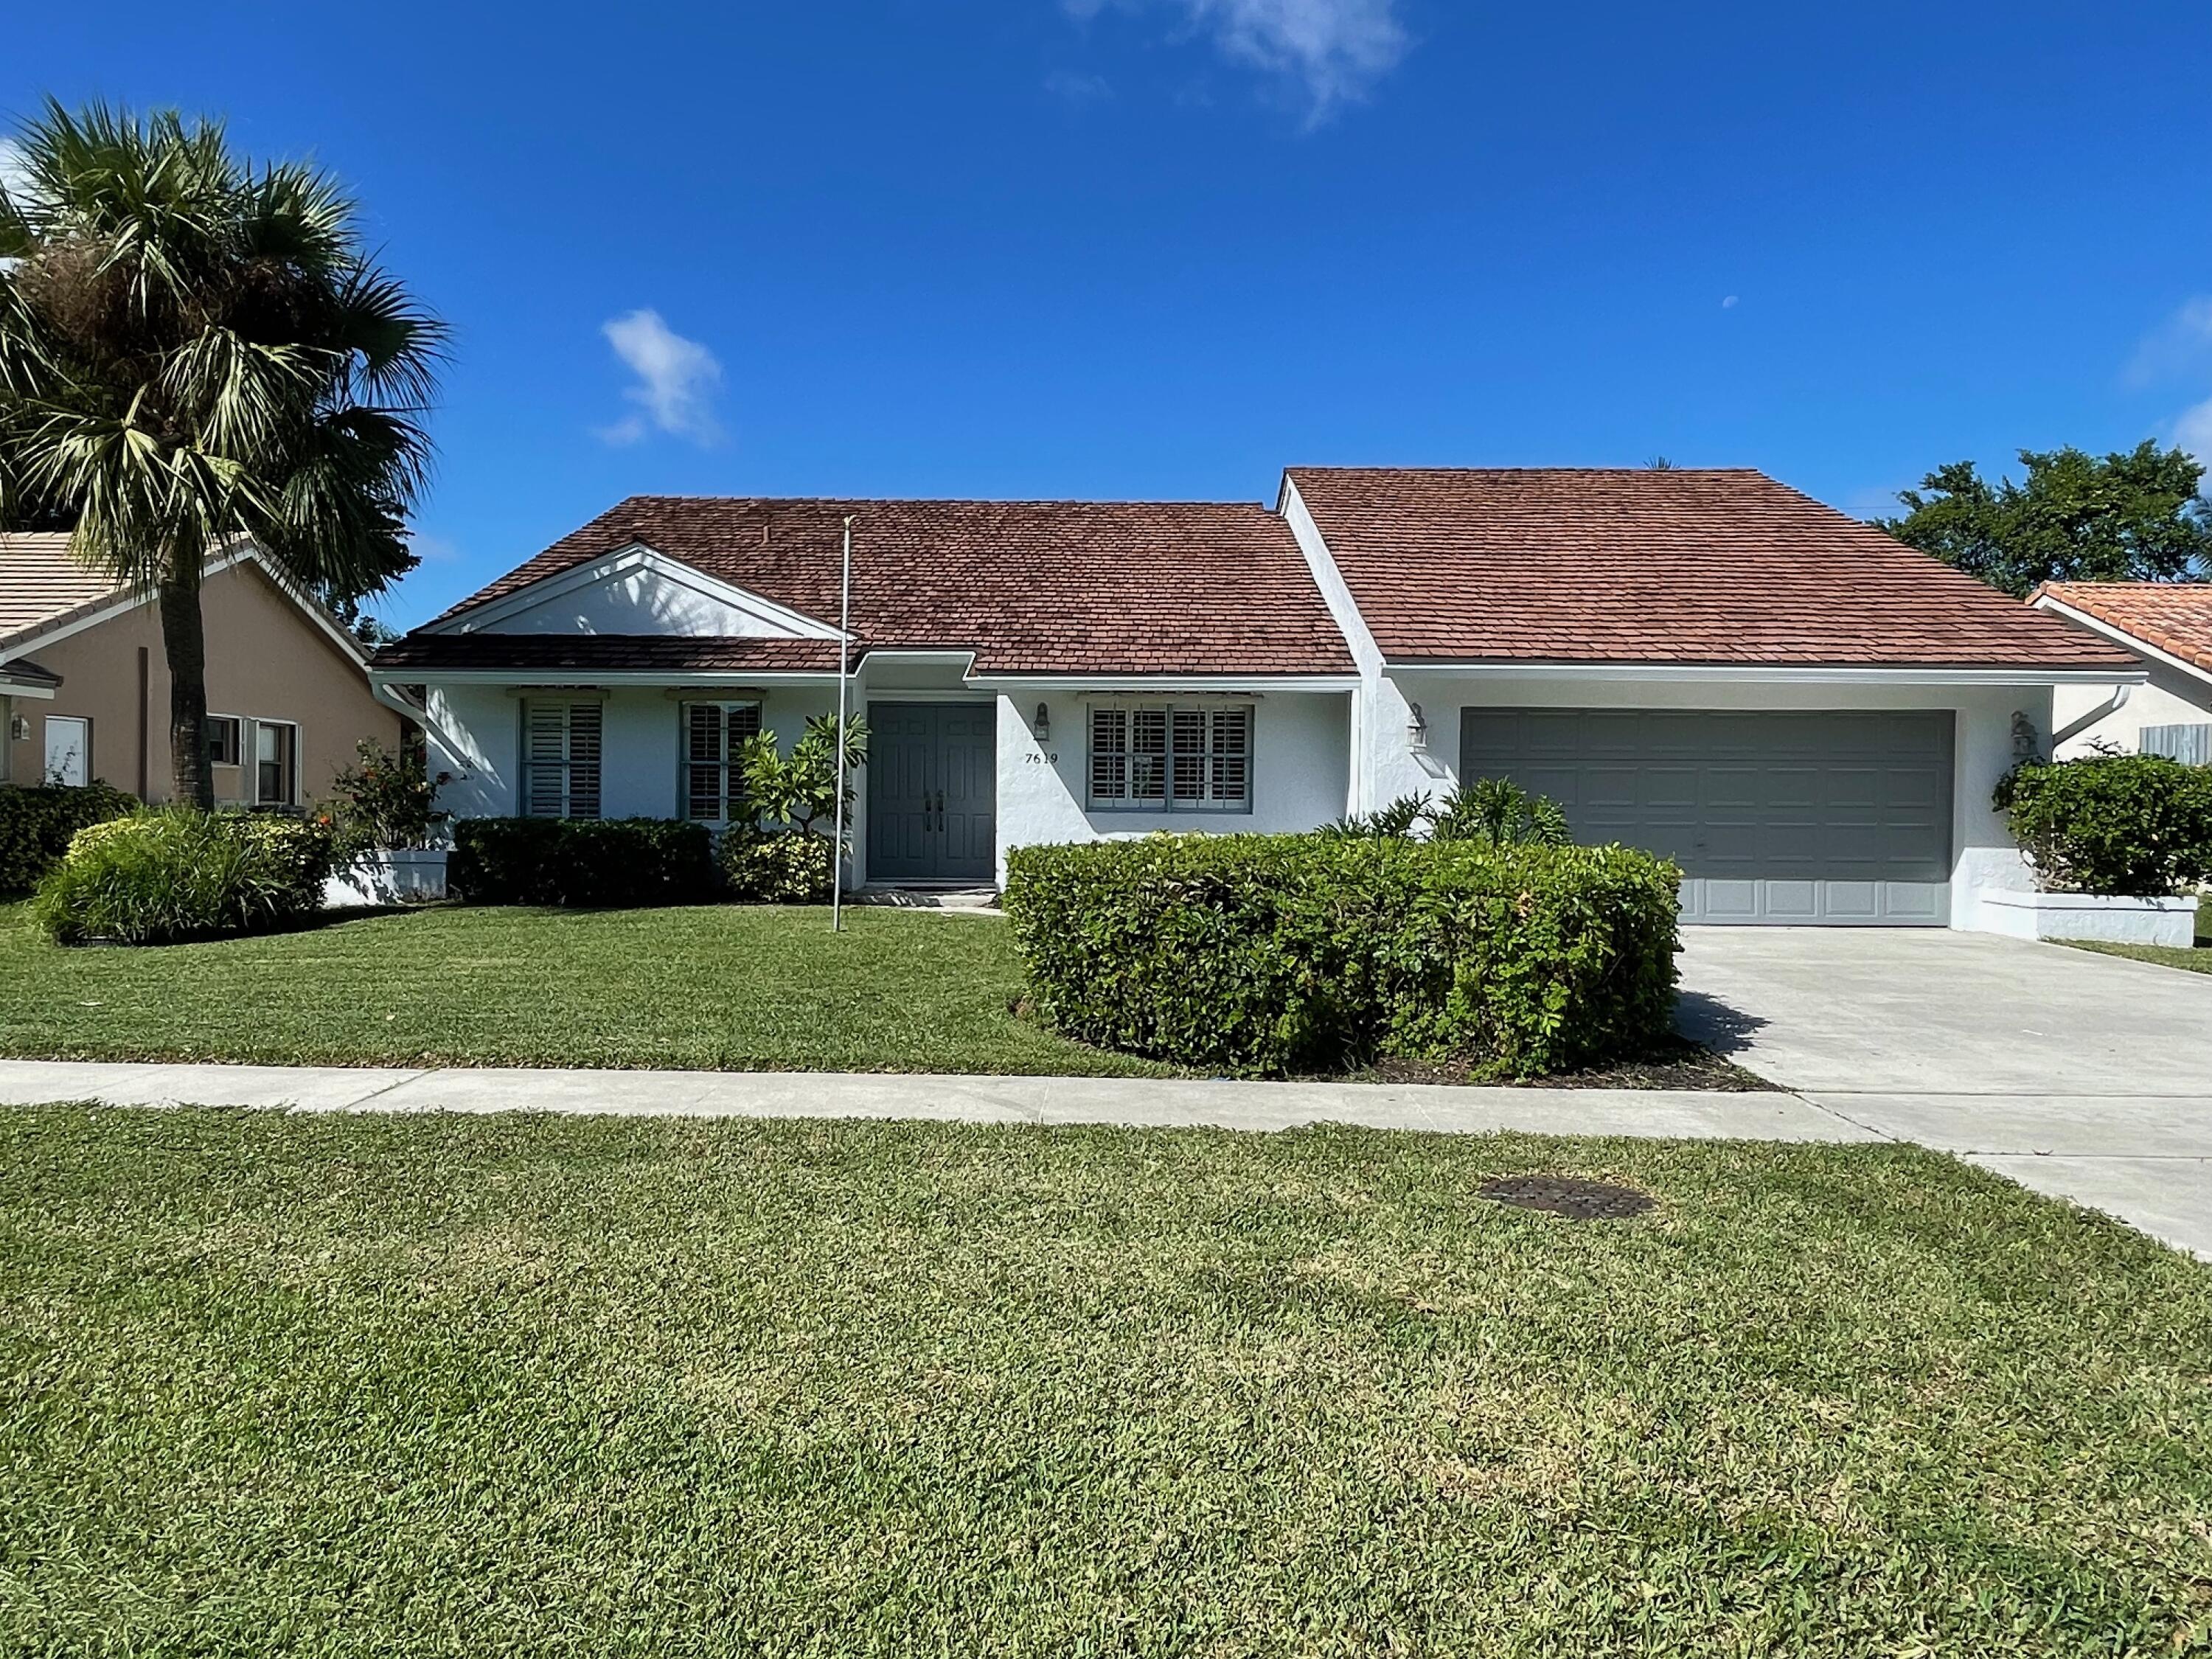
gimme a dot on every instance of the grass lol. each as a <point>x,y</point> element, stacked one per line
<point>735,988</point>
<point>2197,961</point>
<point>577,1389</point>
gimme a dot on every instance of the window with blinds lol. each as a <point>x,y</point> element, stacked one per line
<point>560,759</point>
<point>714,735</point>
<point>1172,759</point>
<point>2191,744</point>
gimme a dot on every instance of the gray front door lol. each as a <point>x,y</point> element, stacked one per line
<point>933,792</point>
<point>1831,818</point>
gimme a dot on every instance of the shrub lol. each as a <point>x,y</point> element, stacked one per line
<point>36,824</point>
<point>1263,955</point>
<point>787,867</point>
<point>2136,826</point>
<point>581,863</point>
<point>159,877</point>
<point>383,802</point>
<point>1492,812</point>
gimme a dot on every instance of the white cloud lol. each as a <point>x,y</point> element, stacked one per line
<point>2193,431</point>
<point>676,380</point>
<point>1334,51</point>
<point>2181,344</point>
<point>12,177</point>
<point>1079,89</point>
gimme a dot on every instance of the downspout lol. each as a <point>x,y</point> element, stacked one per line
<point>2074,729</point>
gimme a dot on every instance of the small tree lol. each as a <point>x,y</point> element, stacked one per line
<point>800,788</point>
<point>384,801</point>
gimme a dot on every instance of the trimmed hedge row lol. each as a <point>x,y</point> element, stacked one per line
<point>582,863</point>
<point>36,824</point>
<point>163,877</point>
<point>2135,826</point>
<point>1268,955</point>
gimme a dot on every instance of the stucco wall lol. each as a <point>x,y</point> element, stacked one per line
<point>475,734</point>
<point>1983,853</point>
<point>265,660</point>
<point>1299,775</point>
<point>2172,698</point>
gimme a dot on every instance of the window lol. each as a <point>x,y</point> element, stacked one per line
<point>714,736</point>
<point>561,760</point>
<point>2192,744</point>
<point>223,737</point>
<point>69,750</point>
<point>275,763</point>
<point>1172,759</point>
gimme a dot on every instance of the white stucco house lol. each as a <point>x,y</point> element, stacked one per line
<point>1808,716</point>
<point>2167,627</point>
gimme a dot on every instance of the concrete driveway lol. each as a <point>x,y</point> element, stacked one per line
<point>2077,1074</point>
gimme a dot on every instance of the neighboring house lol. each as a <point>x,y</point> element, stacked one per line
<point>2167,627</point>
<point>1809,715</point>
<point>84,682</point>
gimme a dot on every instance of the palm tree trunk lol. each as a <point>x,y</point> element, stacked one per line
<point>184,639</point>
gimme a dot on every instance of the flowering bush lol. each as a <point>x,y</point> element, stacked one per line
<point>383,801</point>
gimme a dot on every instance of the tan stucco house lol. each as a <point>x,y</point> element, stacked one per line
<point>84,684</point>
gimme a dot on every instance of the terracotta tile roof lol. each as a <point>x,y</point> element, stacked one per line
<point>1715,566</point>
<point>1092,587</point>
<point>42,585</point>
<point>609,653</point>
<point>2174,616</point>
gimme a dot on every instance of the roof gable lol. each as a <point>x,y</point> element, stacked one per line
<point>636,590</point>
<point>1668,566</point>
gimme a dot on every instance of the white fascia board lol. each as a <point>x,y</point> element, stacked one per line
<point>1111,682</point>
<point>636,555</point>
<point>2121,637</point>
<point>1756,675</point>
<point>123,601</point>
<point>553,676</point>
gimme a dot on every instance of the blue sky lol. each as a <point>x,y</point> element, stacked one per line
<point>1164,247</point>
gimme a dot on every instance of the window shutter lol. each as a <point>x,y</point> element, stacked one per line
<point>1231,755</point>
<point>583,760</point>
<point>1110,754</point>
<point>1187,760</point>
<point>1148,754</point>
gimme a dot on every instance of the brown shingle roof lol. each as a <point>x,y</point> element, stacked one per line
<point>1675,565</point>
<point>2174,616</point>
<point>610,654</point>
<point>40,583</point>
<point>1093,587</point>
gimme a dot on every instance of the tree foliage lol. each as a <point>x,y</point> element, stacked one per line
<point>195,348</point>
<point>2134,515</point>
<point>800,788</point>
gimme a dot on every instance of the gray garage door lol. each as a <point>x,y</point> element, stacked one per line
<point>1780,818</point>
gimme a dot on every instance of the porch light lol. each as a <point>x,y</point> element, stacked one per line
<point>1042,724</point>
<point>19,728</point>
<point>1417,729</point>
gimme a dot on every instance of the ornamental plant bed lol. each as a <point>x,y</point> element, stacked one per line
<point>1268,956</point>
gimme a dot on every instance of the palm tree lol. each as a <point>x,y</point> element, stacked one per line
<point>196,349</point>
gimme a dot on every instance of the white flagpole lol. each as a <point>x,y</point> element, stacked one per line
<point>844,645</point>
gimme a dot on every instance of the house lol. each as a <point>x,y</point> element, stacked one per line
<point>1807,714</point>
<point>84,680</point>
<point>2167,627</point>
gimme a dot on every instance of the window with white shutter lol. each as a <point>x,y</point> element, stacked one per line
<point>2189,743</point>
<point>714,735</point>
<point>1174,758</point>
<point>560,759</point>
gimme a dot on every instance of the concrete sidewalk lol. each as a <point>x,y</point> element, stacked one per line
<point>2146,1160</point>
<point>1139,1103</point>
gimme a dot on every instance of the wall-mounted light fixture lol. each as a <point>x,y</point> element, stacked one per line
<point>1417,729</point>
<point>1042,724</point>
<point>19,728</point>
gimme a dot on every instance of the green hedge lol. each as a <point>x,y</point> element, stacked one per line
<point>36,824</point>
<point>162,877</point>
<point>1267,955</point>
<point>779,867</point>
<point>582,863</point>
<point>2137,826</point>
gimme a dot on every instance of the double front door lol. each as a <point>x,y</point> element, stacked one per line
<point>931,792</point>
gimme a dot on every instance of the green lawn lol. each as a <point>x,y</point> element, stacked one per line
<point>740,987</point>
<point>2198,961</point>
<point>572,1388</point>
